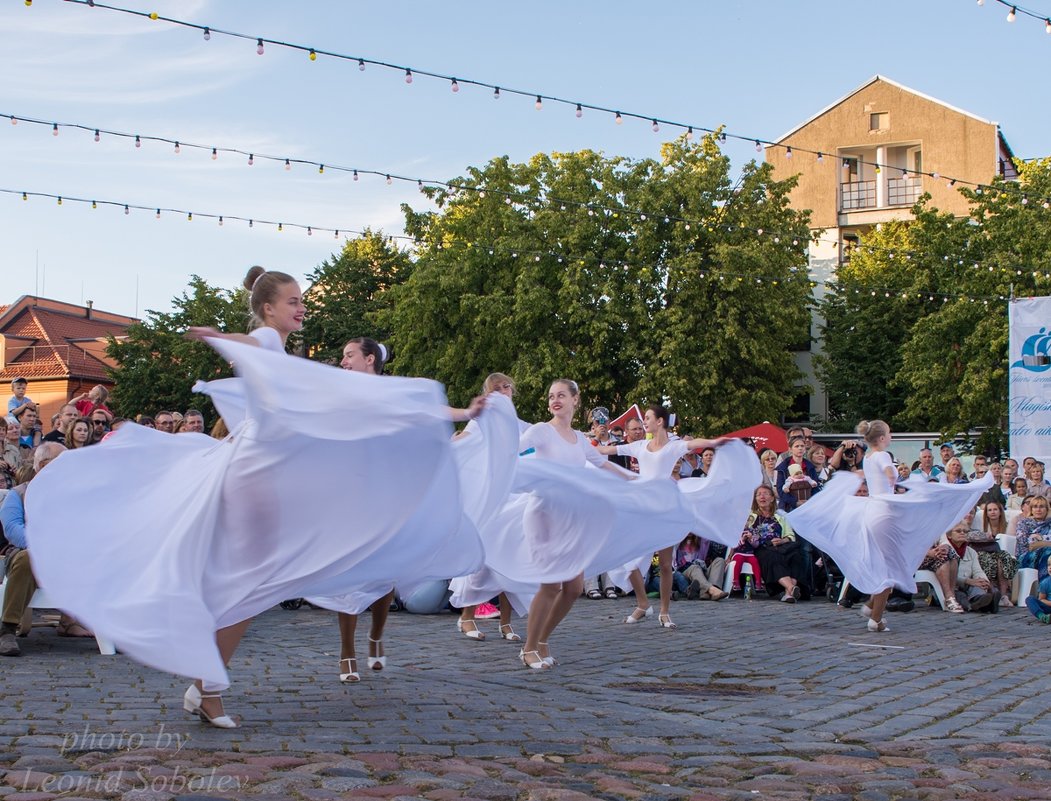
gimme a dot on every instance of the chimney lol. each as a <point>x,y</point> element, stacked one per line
<point>88,308</point>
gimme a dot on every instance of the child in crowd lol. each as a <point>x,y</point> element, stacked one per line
<point>18,402</point>
<point>1041,605</point>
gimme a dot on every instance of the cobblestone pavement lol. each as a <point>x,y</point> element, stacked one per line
<point>752,699</point>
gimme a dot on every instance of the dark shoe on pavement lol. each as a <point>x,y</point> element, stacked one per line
<point>693,592</point>
<point>9,644</point>
<point>981,602</point>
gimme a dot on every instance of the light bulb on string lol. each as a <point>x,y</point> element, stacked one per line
<point>389,181</point>
<point>14,120</point>
<point>153,15</point>
<point>288,164</point>
<point>251,159</point>
<point>127,210</point>
<point>220,221</point>
<point>361,64</point>
<point>280,227</point>
<point>138,142</point>
<point>758,147</point>
<point>25,196</point>
<point>189,216</point>
<point>94,205</point>
<point>251,223</point>
<point>321,169</point>
<point>689,134</point>
<point>496,93</point>
<point>313,55</point>
<point>309,231</point>
<point>158,214</point>
<point>336,235</point>
<point>820,158</point>
<point>1012,14</point>
<point>259,46</point>
<point>355,175</point>
<point>408,76</point>
<point>580,111</point>
<point>215,154</point>
<point>97,137</point>
<point>455,86</point>
<point>539,103</point>
<point>1047,25</point>
<point>54,129</point>
<point>618,119</point>
<point>178,149</point>
<point>788,153</point>
<point>207,35</point>
<point>655,127</point>
<point>60,200</point>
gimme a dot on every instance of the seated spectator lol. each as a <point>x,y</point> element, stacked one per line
<point>679,585</point>
<point>703,464</point>
<point>1010,472</point>
<point>954,472</point>
<point>21,584</point>
<point>981,467</point>
<point>974,591</point>
<point>771,541</point>
<point>999,565</point>
<point>1035,477</point>
<point>79,435</point>
<point>1019,493</point>
<point>1033,544</point>
<point>688,561</point>
<point>768,461</point>
<point>995,492</point>
<point>88,402</point>
<point>942,560</point>
<point>1040,606</point>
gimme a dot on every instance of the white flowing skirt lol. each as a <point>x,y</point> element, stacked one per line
<point>565,521</point>
<point>157,540</point>
<point>878,541</point>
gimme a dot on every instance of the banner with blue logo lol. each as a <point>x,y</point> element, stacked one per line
<point>1030,378</point>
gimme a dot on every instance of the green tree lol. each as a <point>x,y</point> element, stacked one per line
<point>156,365</point>
<point>681,303</point>
<point>347,290</point>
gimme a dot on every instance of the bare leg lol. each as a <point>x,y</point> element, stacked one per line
<point>539,610</point>
<point>380,611</point>
<point>467,625</point>
<point>946,575</point>
<point>571,590</point>
<point>226,639</point>
<point>348,626</point>
<point>641,601</point>
<point>878,603</point>
<point>505,611</point>
<point>664,560</point>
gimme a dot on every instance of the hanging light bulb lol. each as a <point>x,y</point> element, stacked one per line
<point>54,129</point>
<point>361,64</point>
<point>539,103</point>
<point>1047,25</point>
<point>618,119</point>
<point>251,159</point>
<point>138,142</point>
<point>580,111</point>
<point>1012,14</point>
<point>313,55</point>
<point>259,46</point>
<point>25,196</point>
<point>455,86</point>
<point>251,223</point>
<point>689,134</point>
<point>408,76</point>
<point>97,137</point>
<point>215,154</point>
<point>758,146</point>
<point>280,227</point>
<point>321,169</point>
<point>788,153</point>
<point>355,175</point>
<point>336,236</point>
<point>496,93</point>
<point>189,216</point>
<point>158,214</point>
<point>207,35</point>
<point>309,232</point>
<point>220,221</point>
<point>14,120</point>
<point>94,205</point>
<point>288,164</point>
<point>655,126</point>
<point>126,209</point>
<point>60,201</point>
<point>178,149</point>
<point>389,181</point>
<point>820,158</point>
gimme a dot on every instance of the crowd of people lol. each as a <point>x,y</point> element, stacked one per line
<point>664,533</point>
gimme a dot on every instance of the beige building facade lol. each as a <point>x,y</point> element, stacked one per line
<point>866,159</point>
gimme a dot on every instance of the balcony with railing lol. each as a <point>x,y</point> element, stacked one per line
<point>855,195</point>
<point>892,193</point>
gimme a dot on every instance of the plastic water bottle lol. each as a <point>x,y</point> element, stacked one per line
<point>748,588</point>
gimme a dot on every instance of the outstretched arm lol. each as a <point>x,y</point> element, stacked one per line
<point>699,443</point>
<point>472,411</point>
<point>199,332</point>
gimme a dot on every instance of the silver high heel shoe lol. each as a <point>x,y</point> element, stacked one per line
<point>380,661</point>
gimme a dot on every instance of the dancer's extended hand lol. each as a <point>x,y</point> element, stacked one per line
<point>199,332</point>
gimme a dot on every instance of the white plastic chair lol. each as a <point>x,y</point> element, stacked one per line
<point>1025,579</point>
<point>41,601</point>
<point>928,577</point>
<point>746,570</point>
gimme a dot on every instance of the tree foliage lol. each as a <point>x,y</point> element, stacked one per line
<point>934,353</point>
<point>347,290</point>
<point>637,308</point>
<point>156,365</point>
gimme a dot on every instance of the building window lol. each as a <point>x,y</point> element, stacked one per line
<point>879,121</point>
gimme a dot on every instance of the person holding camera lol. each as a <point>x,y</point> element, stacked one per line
<point>847,456</point>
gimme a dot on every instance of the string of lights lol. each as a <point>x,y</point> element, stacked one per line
<point>539,97</point>
<point>534,202</point>
<point>417,245</point>
<point>1017,9</point>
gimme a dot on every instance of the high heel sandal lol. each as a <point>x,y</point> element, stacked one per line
<point>549,660</point>
<point>877,625</point>
<point>471,634</point>
<point>537,664</point>
<point>666,621</point>
<point>638,614</point>
<point>379,661</point>
<point>952,605</point>
<point>509,634</point>
<point>191,702</point>
<point>351,675</point>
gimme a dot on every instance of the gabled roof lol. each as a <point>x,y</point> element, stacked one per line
<point>886,80</point>
<point>45,338</point>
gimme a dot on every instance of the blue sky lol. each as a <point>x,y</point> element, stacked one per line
<point>758,67</point>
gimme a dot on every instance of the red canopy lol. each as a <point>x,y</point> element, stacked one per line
<point>764,435</point>
<point>622,421</point>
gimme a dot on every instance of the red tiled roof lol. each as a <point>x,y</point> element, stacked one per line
<point>56,341</point>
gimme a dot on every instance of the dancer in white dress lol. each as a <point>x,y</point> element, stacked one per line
<point>878,541</point>
<point>203,535</point>
<point>657,458</point>
<point>468,592</point>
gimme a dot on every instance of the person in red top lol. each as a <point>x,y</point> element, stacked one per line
<point>88,402</point>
